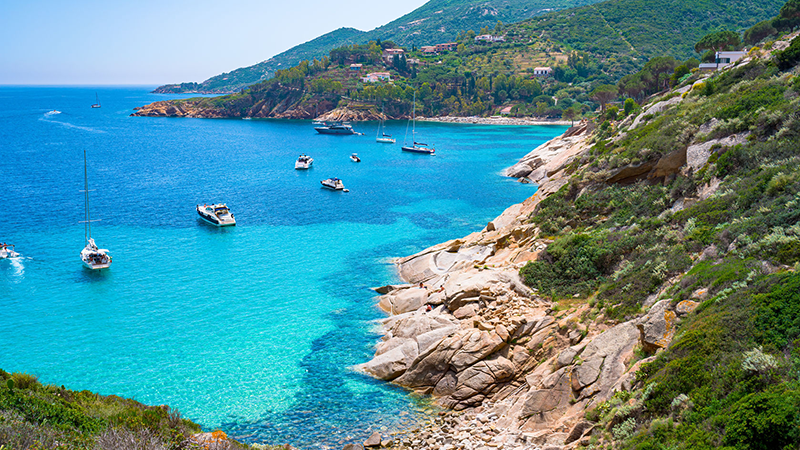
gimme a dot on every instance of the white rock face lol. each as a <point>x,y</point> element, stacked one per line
<point>697,154</point>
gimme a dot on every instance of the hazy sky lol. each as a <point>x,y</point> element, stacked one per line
<point>167,41</point>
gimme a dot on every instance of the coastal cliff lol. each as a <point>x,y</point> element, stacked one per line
<point>604,310</point>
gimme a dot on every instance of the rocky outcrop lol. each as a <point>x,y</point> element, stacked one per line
<point>348,114</point>
<point>467,330</point>
<point>551,158</point>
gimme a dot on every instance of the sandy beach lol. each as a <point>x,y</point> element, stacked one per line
<point>495,120</point>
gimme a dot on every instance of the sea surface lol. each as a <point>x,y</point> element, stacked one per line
<point>251,329</point>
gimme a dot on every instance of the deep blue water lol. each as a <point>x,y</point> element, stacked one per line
<point>251,329</point>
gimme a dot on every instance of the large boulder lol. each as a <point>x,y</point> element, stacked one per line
<point>658,327</point>
<point>404,300</point>
<point>456,352</point>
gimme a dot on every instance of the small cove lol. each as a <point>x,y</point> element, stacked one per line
<point>250,329</point>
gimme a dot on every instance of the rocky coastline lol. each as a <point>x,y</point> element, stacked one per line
<point>197,108</point>
<point>513,369</point>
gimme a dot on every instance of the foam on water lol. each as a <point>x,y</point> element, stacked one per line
<point>255,328</point>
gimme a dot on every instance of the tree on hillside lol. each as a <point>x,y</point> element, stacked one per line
<point>631,85</point>
<point>718,41</point>
<point>657,71</point>
<point>758,32</point>
<point>789,16</point>
<point>604,94</point>
<point>569,114</point>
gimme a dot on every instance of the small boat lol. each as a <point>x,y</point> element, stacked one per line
<point>247,118</point>
<point>217,214</point>
<point>334,184</point>
<point>7,252</point>
<point>354,157</point>
<point>338,128</point>
<point>416,147</point>
<point>382,137</point>
<point>97,99</point>
<point>303,162</point>
<point>92,257</point>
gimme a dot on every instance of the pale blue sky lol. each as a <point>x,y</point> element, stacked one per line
<point>168,41</point>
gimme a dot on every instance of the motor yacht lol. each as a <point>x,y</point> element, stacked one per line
<point>334,184</point>
<point>216,214</point>
<point>303,162</point>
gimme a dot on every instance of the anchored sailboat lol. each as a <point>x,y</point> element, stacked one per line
<point>92,257</point>
<point>416,147</point>
<point>382,137</point>
<point>97,99</point>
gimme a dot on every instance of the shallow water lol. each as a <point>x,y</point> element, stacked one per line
<point>250,329</point>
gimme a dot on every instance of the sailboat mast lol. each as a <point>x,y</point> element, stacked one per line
<point>87,229</point>
<point>414,121</point>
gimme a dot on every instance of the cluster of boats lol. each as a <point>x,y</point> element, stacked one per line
<point>344,128</point>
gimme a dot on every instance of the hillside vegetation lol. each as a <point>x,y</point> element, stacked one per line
<point>434,22</point>
<point>694,200</point>
<point>588,47</point>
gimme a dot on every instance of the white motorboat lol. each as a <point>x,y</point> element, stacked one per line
<point>217,214</point>
<point>338,128</point>
<point>416,147</point>
<point>7,252</point>
<point>92,257</point>
<point>354,157</point>
<point>303,162</point>
<point>334,184</point>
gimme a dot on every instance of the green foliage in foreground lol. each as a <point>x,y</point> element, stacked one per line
<point>37,416</point>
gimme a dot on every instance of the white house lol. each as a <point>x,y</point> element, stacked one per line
<point>490,38</point>
<point>724,59</point>
<point>542,71</point>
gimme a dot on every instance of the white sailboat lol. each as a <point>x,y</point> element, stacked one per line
<point>92,257</point>
<point>382,137</point>
<point>416,147</point>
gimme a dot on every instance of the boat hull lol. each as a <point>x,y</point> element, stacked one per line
<point>91,266</point>
<point>385,141</point>
<point>335,131</point>
<point>216,222</point>
<point>427,151</point>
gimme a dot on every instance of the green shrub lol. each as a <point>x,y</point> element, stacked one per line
<point>765,421</point>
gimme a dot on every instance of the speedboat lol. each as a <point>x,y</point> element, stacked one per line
<point>304,162</point>
<point>334,184</point>
<point>6,252</point>
<point>217,214</point>
<point>341,128</point>
<point>95,258</point>
<point>354,157</point>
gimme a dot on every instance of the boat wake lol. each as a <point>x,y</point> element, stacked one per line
<point>47,117</point>
<point>17,268</point>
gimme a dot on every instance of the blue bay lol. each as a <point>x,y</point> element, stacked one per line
<point>251,329</point>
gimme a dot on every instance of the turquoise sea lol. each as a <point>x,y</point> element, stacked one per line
<point>250,329</point>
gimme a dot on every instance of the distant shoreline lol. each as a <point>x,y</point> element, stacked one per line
<point>495,120</point>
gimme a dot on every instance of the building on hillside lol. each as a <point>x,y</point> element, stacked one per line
<point>506,111</point>
<point>542,71</point>
<point>390,53</point>
<point>374,77</point>
<point>489,38</point>
<point>723,59</point>
<point>356,67</point>
<point>428,49</point>
<point>447,47</point>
